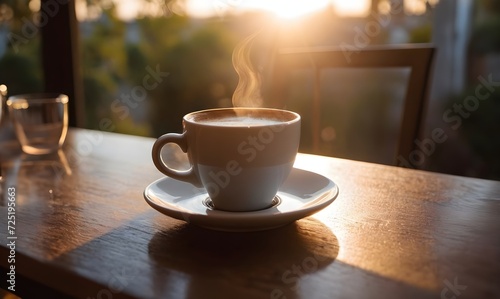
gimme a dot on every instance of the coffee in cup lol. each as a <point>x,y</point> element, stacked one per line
<point>241,156</point>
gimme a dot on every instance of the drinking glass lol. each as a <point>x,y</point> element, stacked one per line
<point>40,121</point>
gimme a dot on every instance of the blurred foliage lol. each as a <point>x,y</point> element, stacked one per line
<point>491,6</point>
<point>117,56</point>
<point>20,65</point>
<point>104,64</point>
<point>482,130</point>
<point>422,34</point>
<point>473,141</point>
<point>473,147</point>
<point>201,77</point>
<point>485,36</point>
<point>21,73</point>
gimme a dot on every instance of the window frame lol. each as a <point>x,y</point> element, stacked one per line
<point>61,57</point>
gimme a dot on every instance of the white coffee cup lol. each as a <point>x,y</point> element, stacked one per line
<point>241,156</point>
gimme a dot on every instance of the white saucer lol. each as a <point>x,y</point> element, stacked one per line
<point>303,194</point>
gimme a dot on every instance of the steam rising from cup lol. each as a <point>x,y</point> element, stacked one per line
<point>247,93</point>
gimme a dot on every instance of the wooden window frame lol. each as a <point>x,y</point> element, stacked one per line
<point>61,56</point>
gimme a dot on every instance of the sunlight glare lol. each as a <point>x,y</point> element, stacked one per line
<point>352,8</point>
<point>127,10</point>
<point>204,9</point>
<point>415,7</point>
<point>291,9</point>
<point>35,5</point>
<point>384,7</point>
<point>281,8</point>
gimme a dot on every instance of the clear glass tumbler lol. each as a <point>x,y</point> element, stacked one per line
<point>40,121</point>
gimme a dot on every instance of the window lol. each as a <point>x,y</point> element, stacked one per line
<point>137,66</point>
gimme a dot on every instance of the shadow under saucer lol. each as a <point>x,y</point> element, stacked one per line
<point>240,265</point>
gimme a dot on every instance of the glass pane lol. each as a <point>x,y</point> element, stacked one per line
<point>360,111</point>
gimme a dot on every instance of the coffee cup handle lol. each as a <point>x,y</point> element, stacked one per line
<point>181,175</point>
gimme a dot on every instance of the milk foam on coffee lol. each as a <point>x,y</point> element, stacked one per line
<point>240,121</point>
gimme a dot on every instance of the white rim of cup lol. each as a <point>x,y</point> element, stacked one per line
<point>38,98</point>
<point>295,119</point>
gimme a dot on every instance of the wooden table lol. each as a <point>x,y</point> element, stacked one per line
<point>83,229</point>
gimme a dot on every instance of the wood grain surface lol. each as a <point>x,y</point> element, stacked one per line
<point>84,230</point>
